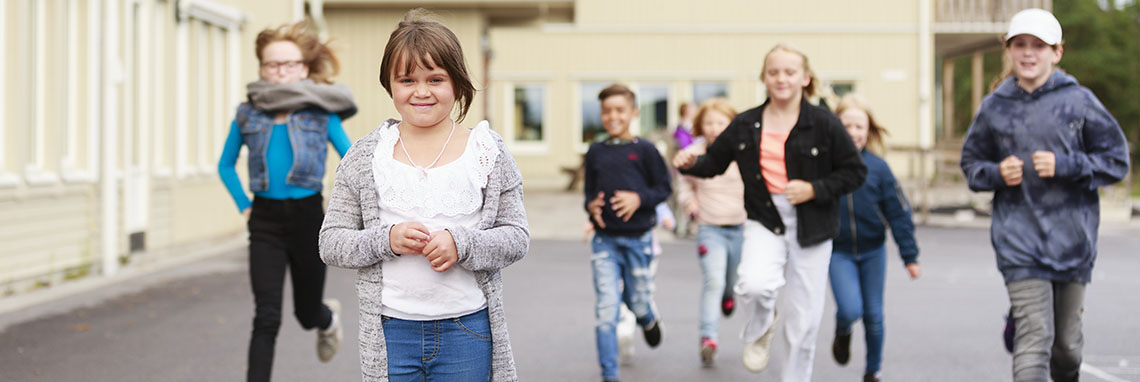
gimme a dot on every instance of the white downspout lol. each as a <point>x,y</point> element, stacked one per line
<point>925,75</point>
<point>109,190</point>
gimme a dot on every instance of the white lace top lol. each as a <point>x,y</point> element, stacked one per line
<point>445,196</point>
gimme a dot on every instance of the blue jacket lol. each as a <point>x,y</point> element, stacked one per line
<point>273,171</point>
<point>1045,228</point>
<point>865,214</point>
<point>308,134</point>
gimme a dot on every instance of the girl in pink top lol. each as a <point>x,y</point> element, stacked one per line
<point>717,204</point>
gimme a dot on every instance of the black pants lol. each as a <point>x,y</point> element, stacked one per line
<point>284,234</point>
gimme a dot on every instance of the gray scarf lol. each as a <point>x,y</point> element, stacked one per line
<point>333,98</point>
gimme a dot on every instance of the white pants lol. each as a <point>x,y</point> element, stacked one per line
<point>769,262</point>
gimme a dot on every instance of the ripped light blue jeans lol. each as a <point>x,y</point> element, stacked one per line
<point>621,274</point>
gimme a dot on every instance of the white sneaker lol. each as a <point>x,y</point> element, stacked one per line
<point>627,325</point>
<point>328,340</point>
<point>756,354</point>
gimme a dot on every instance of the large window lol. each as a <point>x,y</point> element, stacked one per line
<point>592,130</point>
<point>703,91</point>
<point>527,112</point>
<point>653,102</point>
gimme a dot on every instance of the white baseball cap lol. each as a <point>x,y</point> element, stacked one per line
<point>1036,22</point>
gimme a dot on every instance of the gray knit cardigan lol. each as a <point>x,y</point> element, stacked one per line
<point>354,236</point>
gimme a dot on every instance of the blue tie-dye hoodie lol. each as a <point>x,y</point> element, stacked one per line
<point>1045,228</point>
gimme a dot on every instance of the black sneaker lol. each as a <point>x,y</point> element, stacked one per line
<point>871,377</point>
<point>727,305</point>
<point>841,348</point>
<point>652,333</point>
<point>1007,334</point>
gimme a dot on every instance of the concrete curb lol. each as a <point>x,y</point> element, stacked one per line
<point>61,298</point>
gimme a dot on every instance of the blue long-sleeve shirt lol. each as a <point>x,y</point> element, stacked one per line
<point>635,165</point>
<point>1045,228</point>
<point>279,159</point>
<point>865,214</point>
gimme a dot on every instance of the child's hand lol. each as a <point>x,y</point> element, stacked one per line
<point>684,159</point>
<point>408,238</point>
<point>625,203</point>
<point>247,213</point>
<point>1011,170</point>
<point>440,251</point>
<point>1045,162</point>
<point>915,270</point>
<point>595,209</point>
<point>798,191</point>
<point>693,208</point>
<point>668,223</point>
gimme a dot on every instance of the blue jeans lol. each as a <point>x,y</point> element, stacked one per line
<point>621,274</point>
<point>718,248</point>
<point>453,349</point>
<point>857,282</point>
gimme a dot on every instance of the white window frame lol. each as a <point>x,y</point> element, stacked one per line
<point>69,168</point>
<point>35,171</point>
<point>670,102</point>
<point>519,147</point>
<point>7,179</point>
<point>209,15</point>
<point>579,146</point>
<point>160,167</point>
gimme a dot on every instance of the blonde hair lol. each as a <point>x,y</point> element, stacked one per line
<point>719,105</point>
<point>420,39</point>
<point>875,132</point>
<point>809,90</point>
<point>318,56</point>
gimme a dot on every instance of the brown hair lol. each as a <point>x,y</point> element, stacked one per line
<point>421,40</point>
<point>318,56</point>
<point>719,105</point>
<point>683,108</point>
<point>618,90</point>
<point>875,132</point>
<point>809,90</point>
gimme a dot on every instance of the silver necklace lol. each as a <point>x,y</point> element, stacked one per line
<point>423,170</point>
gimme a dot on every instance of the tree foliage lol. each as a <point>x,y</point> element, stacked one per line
<point>1102,50</point>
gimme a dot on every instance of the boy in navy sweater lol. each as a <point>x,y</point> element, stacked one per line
<point>625,178</point>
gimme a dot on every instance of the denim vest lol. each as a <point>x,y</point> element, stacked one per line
<point>308,135</point>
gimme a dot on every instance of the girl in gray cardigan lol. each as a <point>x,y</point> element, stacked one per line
<point>428,212</point>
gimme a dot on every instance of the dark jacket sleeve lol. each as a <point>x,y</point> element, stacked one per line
<point>589,179</point>
<point>980,156</point>
<point>659,186</point>
<point>1105,159</point>
<point>719,154</point>
<point>847,169</point>
<point>897,211</point>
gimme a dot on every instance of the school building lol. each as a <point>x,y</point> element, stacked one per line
<point>114,111</point>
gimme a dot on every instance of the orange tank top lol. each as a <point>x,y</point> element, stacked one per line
<point>772,160</point>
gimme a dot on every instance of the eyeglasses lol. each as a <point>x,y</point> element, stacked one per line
<point>290,66</point>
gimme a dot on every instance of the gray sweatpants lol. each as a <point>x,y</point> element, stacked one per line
<point>1047,339</point>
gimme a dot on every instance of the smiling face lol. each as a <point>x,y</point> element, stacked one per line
<point>424,97</point>
<point>1032,60</point>
<point>784,76</point>
<point>858,125</point>
<point>618,112</point>
<point>282,62</point>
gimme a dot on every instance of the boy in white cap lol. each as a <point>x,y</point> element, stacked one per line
<point>1044,145</point>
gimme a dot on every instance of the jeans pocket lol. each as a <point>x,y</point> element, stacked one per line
<point>473,327</point>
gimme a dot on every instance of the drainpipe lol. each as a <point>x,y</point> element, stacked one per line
<point>925,92</point>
